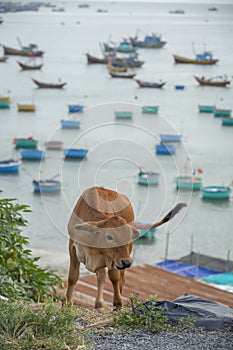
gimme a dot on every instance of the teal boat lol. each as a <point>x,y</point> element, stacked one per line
<point>148,178</point>
<point>192,183</point>
<point>123,115</point>
<point>227,121</point>
<point>4,104</point>
<point>216,192</point>
<point>25,142</point>
<point>220,112</point>
<point>150,109</point>
<point>206,109</point>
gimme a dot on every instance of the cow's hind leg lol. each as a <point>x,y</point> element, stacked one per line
<point>115,278</point>
<point>101,277</point>
<point>73,272</point>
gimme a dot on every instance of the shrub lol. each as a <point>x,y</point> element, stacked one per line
<point>20,276</point>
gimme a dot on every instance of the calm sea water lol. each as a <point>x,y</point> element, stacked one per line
<point>117,149</point>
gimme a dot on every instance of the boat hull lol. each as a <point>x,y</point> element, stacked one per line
<point>123,115</point>
<point>75,108</point>
<point>54,145</point>
<point>170,138</point>
<point>42,85</point>
<point>150,109</point>
<point>188,183</point>
<point>180,59</point>
<point>46,186</point>
<point>15,52</point>
<point>210,82</point>
<point>30,67</point>
<point>70,124</point>
<point>29,154</point>
<point>145,84</point>
<point>24,143</point>
<point>148,178</point>
<point>206,109</point>
<point>26,108</point>
<point>75,153</point>
<point>165,149</point>
<point>216,192</point>
<point>222,112</point>
<point>227,121</point>
<point>4,105</point>
<point>9,166</point>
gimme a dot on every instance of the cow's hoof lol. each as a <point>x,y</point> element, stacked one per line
<point>99,304</point>
<point>117,307</point>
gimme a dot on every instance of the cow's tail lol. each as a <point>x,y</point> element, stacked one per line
<point>166,218</point>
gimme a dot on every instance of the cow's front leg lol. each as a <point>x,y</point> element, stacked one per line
<point>101,277</point>
<point>73,272</point>
<point>115,278</point>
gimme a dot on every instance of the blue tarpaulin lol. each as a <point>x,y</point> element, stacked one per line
<point>225,278</point>
<point>185,270</point>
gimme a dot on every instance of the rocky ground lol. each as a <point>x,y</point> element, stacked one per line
<point>147,340</point>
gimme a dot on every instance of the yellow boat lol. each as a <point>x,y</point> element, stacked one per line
<point>5,99</point>
<point>26,107</point>
<point>116,69</point>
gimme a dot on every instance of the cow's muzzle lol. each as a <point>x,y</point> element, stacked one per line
<point>125,265</point>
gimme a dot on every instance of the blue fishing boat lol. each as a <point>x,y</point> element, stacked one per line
<point>70,124</point>
<point>206,109</point>
<point>148,178</point>
<point>150,41</point>
<point>46,185</point>
<point>75,108</point>
<point>165,148</point>
<point>123,115</point>
<point>4,104</point>
<point>216,192</point>
<point>9,166</point>
<point>192,183</point>
<point>150,109</point>
<point>170,137</point>
<point>75,153</point>
<point>179,87</point>
<point>32,154</point>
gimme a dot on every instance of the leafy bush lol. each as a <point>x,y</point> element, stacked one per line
<point>20,276</point>
<point>38,326</point>
<point>139,315</point>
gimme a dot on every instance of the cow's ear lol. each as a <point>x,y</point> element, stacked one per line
<point>136,233</point>
<point>84,234</point>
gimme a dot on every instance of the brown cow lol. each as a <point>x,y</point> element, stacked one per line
<point>101,229</point>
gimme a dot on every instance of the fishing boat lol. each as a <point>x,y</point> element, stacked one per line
<point>46,185</point>
<point>222,112</point>
<point>205,58</point>
<point>5,99</point>
<point>70,124</point>
<point>227,121</point>
<point>25,142</point>
<point>54,145</point>
<point>150,41</point>
<point>147,84</point>
<point>192,182</point>
<point>75,108</point>
<point>148,178</point>
<point>32,154</point>
<point>216,192</point>
<point>30,51</point>
<point>206,109</point>
<point>49,85</point>
<point>26,107</point>
<point>123,115</point>
<point>112,68</point>
<point>76,153</point>
<point>165,148</point>
<point>29,66</point>
<point>150,109</point>
<point>4,104</point>
<point>170,138</point>
<point>9,166</point>
<point>125,46</point>
<point>179,12</point>
<point>95,60</point>
<point>179,87</point>
<point>122,75</point>
<point>218,81</point>
<point>3,59</point>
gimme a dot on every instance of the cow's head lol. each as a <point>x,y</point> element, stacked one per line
<point>112,236</point>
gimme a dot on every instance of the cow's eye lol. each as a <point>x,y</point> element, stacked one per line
<point>109,237</point>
